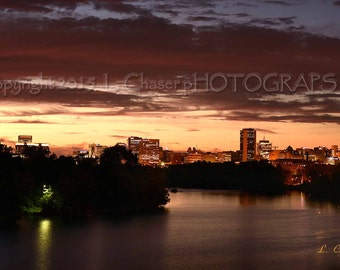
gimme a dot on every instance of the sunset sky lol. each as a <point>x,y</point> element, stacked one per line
<point>190,73</point>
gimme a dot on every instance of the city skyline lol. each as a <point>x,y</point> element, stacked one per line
<point>132,143</point>
<point>192,74</point>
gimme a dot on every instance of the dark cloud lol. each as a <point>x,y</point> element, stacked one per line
<point>336,3</point>
<point>118,137</point>
<point>162,48</point>
<point>31,122</point>
<point>292,118</point>
<point>268,21</point>
<point>287,20</point>
<point>296,28</point>
<point>118,6</point>
<point>242,15</point>
<point>228,104</point>
<point>89,47</point>
<point>32,112</point>
<point>266,131</point>
<point>281,3</point>
<point>244,4</point>
<point>11,7</point>
<point>174,143</point>
<point>202,18</point>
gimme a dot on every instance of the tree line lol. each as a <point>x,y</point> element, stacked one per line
<point>44,184</point>
<point>49,185</point>
<point>324,182</point>
<point>254,176</point>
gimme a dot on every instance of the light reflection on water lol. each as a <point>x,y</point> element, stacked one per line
<point>200,230</point>
<point>44,239</point>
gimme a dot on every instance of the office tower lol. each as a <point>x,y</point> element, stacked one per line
<point>148,152</point>
<point>24,147</point>
<point>24,138</point>
<point>335,150</point>
<point>264,148</point>
<point>248,144</point>
<point>133,144</point>
<point>95,150</point>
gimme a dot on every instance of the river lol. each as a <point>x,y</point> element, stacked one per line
<point>199,230</point>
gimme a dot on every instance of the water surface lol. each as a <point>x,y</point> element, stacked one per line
<point>200,230</point>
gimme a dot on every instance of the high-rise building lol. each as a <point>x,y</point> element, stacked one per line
<point>133,144</point>
<point>335,150</point>
<point>95,150</point>
<point>25,146</point>
<point>264,148</point>
<point>248,144</point>
<point>24,138</point>
<point>177,158</point>
<point>148,152</point>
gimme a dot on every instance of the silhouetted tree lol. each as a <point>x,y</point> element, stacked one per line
<point>5,151</point>
<point>35,152</point>
<point>253,176</point>
<point>324,185</point>
<point>117,155</point>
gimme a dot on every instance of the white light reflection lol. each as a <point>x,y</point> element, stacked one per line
<point>43,245</point>
<point>302,200</point>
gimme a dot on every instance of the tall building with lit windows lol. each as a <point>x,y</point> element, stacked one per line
<point>133,144</point>
<point>95,150</point>
<point>149,152</point>
<point>264,148</point>
<point>25,146</point>
<point>248,144</point>
<point>335,150</point>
